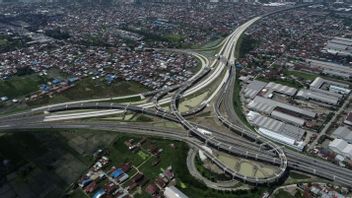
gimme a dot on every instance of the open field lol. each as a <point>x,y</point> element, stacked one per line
<point>192,102</point>
<point>71,149</point>
<point>247,167</point>
<point>283,194</point>
<point>90,89</point>
<point>41,163</point>
<point>300,74</point>
<point>290,83</point>
<point>19,86</point>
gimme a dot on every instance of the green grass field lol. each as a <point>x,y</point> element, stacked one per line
<point>237,103</point>
<point>299,74</point>
<point>208,173</point>
<point>22,86</point>
<point>119,152</point>
<point>170,156</point>
<point>283,194</point>
<point>290,83</point>
<point>19,86</point>
<point>78,193</point>
<point>143,155</point>
<point>90,89</point>
<point>23,147</point>
<point>295,175</point>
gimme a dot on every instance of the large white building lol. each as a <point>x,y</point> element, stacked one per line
<point>267,89</point>
<point>344,133</point>
<point>278,131</point>
<point>267,106</point>
<point>341,147</point>
<point>173,192</point>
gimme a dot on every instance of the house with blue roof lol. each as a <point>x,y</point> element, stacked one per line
<point>117,173</point>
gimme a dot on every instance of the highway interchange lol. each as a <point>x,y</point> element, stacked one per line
<point>242,142</point>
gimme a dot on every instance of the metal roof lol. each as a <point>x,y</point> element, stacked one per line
<point>337,73</point>
<point>317,83</point>
<point>268,105</point>
<point>253,88</point>
<point>326,92</point>
<point>290,91</point>
<point>287,118</point>
<point>276,126</point>
<point>330,66</point>
<point>347,151</point>
<point>173,192</point>
<point>344,133</point>
<point>308,94</point>
<point>338,144</point>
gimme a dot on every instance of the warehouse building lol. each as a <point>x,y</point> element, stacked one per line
<point>317,96</point>
<point>341,147</point>
<point>339,46</point>
<point>278,131</point>
<point>287,118</point>
<point>267,106</point>
<point>331,68</point>
<point>282,89</point>
<point>329,87</point>
<point>327,92</point>
<point>344,133</point>
<point>256,87</point>
<point>348,119</point>
<point>319,82</point>
<point>173,192</point>
<point>339,90</point>
<point>341,74</point>
<point>253,88</point>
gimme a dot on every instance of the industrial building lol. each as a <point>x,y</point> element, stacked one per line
<point>173,192</point>
<point>332,69</point>
<point>341,147</point>
<point>316,96</point>
<point>339,46</point>
<point>267,106</point>
<point>256,87</point>
<point>344,133</point>
<point>278,131</point>
<point>319,82</point>
<point>282,89</point>
<point>337,73</point>
<point>325,91</point>
<point>348,119</point>
<point>287,118</point>
<point>253,88</point>
<point>339,90</point>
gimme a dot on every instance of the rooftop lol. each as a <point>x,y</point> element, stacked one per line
<point>173,192</point>
<point>268,105</point>
<point>321,97</point>
<point>287,130</point>
<point>343,132</point>
<point>253,88</point>
<point>290,91</point>
<point>348,119</point>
